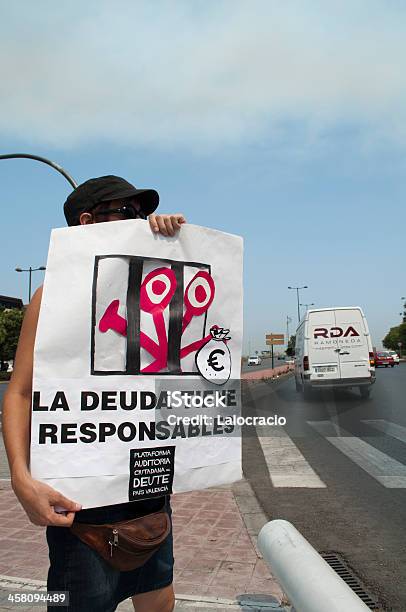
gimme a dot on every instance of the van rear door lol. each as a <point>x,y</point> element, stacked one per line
<point>353,354</point>
<point>323,349</point>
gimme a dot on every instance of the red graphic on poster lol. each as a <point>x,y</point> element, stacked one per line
<point>156,292</point>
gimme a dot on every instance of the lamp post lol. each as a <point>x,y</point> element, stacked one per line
<point>297,296</point>
<point>288,320</point>
<point>307,305</point>
<point>44,160</point>
<point>30,270</point>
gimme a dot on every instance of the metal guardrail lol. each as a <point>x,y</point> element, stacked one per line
<point>309,582</point>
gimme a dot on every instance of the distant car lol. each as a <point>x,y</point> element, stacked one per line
<point>281,357</point>
<point>384,359</point>
<point>395,357</point>
<point>290,361</point>
<point>255,360</point>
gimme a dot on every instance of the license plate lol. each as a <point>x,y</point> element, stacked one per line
<point>325,369</point>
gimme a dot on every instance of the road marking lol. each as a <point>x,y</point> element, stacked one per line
<point>391,429</point>
<point>389,472</point>
<point>286,465</point>
<point>332,410</point>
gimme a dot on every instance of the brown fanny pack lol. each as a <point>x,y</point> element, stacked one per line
<point>126,545</point>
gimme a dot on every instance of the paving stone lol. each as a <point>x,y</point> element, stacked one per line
<point>214,544</point>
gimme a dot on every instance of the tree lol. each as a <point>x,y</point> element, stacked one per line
<point>10,327</point>
<point>290,351</point>
<point>394,336</point>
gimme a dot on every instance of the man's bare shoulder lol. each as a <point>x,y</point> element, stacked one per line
<point>32,310</point>
<point>37,297</point>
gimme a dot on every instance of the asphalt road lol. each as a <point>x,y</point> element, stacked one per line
<point>330,473</point>
<point>343,469</point>
<point>265,365</point>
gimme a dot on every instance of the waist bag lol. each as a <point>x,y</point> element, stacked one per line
<point>126,545</point>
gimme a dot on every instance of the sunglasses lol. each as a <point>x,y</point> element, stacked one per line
<point>127,211</point>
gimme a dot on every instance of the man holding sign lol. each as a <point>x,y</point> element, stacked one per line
<point>133,376</point>
<point>74,566</point>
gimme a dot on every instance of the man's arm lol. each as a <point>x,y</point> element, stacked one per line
<point>37,499</point>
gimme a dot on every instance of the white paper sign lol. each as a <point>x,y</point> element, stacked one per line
<point>137,363</point>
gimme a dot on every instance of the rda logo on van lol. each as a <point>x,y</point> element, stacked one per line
<point>334,332</point>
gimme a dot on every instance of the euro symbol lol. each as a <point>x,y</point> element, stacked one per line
<point>212,360</point>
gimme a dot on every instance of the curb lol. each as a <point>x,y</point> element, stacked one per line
<point>246,603</point>
<point>13,583</point>
<point>268,373</point>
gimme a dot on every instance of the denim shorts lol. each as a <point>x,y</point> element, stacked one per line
<point>94,585</point>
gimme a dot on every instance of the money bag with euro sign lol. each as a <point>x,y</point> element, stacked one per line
<point>213,359</point>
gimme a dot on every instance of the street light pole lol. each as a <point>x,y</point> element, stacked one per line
<point>307,305</point>
<point>288,320</point>
<point>29,284</point>
<point>44,160</point>
<point>298,305</point>
<point>30,270</point>
<point>297,296</point>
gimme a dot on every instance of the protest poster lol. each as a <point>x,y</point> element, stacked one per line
<point>137,363</point>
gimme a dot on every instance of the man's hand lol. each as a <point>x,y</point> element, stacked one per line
<point>39,501</point>
<point>167,225</point>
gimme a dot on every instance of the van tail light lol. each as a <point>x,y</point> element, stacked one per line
<point>371,359</point>
<point>305,363</point>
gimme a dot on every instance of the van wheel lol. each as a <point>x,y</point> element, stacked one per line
<point>365,392</point>
<point>392,365</point>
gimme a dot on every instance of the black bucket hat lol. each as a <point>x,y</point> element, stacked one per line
<point>93,192</point>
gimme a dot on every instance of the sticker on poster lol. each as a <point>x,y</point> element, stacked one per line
<point>151,472</point>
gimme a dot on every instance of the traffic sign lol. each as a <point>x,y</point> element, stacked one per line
<point>275,339</point>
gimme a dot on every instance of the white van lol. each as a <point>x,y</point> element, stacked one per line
<point>334,349</point>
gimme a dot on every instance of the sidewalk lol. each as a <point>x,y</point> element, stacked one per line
<point>268,373</point>
<point>216,560</point>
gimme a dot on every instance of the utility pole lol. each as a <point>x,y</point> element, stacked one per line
<point>288,320</point>
<point>298,301</point>
<point>307,305</point>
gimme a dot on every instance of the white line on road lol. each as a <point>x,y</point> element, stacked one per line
<point>391,429</point>
<point>286,465</point>
<point>389,472</point>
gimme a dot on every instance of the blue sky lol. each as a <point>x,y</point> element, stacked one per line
<point>282,122</point>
